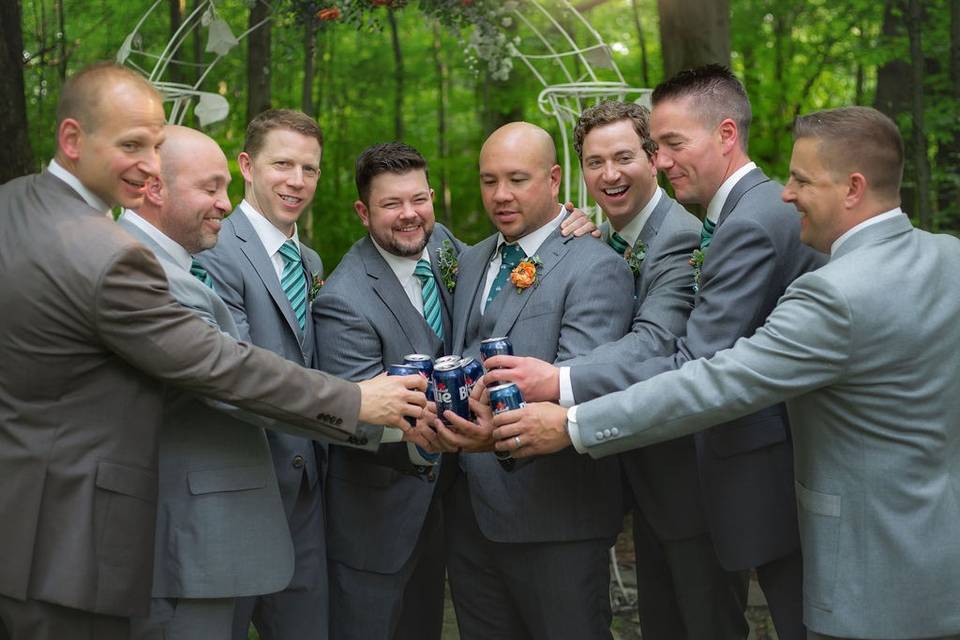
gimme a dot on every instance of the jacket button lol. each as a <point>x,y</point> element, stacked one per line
<point>606,433</point>
<point>614,431</point>
<point>599,435</point>
<point>363,441</point>
<point>298,462</point>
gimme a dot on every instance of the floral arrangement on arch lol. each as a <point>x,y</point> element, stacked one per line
<point>489,42</point>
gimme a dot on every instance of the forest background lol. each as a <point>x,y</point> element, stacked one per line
<point>378,70</point>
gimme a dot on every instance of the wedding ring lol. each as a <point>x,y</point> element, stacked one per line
<point>517,440</point>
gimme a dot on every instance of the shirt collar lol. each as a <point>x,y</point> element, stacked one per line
<point>531,242</point>
<point>880,217</point>
<point>176,251</point>
<point>271,237</point>
<point>74,183</point>
<point>632,230</point>
<point>401,266</point>
<point>720,197</point>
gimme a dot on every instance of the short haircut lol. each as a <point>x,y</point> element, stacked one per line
<point>715,94</point>
<point>83,93</point>
<point>611,111</point>
<point>271,119</point>
<point>857,139</point>
<point>389,157</point>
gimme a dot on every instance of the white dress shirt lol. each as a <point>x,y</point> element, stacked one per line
<point>530,244</point>
<point>270,237</point>
<point>403,268</point>
<point>74,183</point>
<point>880,217</point>
<point>630,233</point>
<point>720,197</point>
<point>176,251</point>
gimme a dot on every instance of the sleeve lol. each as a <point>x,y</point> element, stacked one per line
<point>228,283</point>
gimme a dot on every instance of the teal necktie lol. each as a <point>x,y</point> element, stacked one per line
<point>706,234</point>
<point>511,255</point>
<point>293,281</point>
<point>431,297</point>
<point>197,270</point>
<point>618,243</point>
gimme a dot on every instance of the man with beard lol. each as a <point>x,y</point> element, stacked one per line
<point>386,299</point>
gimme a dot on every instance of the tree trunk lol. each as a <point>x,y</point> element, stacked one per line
<point>443,150</point>
<point>687,42</point>
<point>258,61</point>
<point>921,167</point>
<point>642,42</point>
<point>397,76</point>
<point>948,154</point>
<point>309,60</point>
<point>16,155</point>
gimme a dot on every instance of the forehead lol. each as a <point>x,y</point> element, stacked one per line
<point>131,110</point>
<point>675,117</point>
<point>389,184</point>
<point>614,135</point>
<point>292,144</point>
<point>806,156</point>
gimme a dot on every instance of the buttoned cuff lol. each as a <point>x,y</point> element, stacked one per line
<point>573,430</point>
<point>566,388</point>
<point>421,458</point>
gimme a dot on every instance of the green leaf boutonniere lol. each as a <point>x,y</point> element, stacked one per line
<point>524,275</point>
<point>634,257</point>
<point>696,261</point>
<point>448,265</point>
<point>316,282</point>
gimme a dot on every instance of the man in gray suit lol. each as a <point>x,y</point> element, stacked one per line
<point>268,279</point>
<point>218,498</point>
<point>386,299</point>
<point>527,550</point>
<point>89,335</point>
<point>871,388</point>
<point>749,253</point>
<point>683,592</point>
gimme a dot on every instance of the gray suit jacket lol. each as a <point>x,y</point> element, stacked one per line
<point>871,387</point>
<point>218,498</point>
<point>364,323</point>
<point>89,334</point>
<point>745,466</point>
<point>584,298</point>
<point>664,479</point>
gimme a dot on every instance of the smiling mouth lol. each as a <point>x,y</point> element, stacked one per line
<point>134,183</point>
<point>407,229</point>
<point>613,192</point>
<point>290,199</point>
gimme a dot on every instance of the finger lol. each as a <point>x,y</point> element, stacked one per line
<point>508,417</point>
<point>501,362</point>
<point>497,376</point>
<point>416,398</point>
<point>480,408</point>
<point>596,233</point>
<point>413,381</point>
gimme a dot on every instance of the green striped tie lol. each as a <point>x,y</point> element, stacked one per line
<point>706,234</point>
<point>431,297</point>
<point>293,281</point>
<point>511,255</point>
<point>197,270</point>
<point>617,242</point>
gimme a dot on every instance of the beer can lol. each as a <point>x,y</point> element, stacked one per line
<point>505,397</point>
<point>455,357</point>
<point>405,370</point>
<point>424,364</point>
<point>472,371</point>
<point>450,390</point>
<point>495,347</point>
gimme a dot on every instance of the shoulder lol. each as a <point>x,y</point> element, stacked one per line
<point>349,274</point>
<point>679,220</point>
<point>763,203</point>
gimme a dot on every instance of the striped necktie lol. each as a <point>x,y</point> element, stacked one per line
<point>511,255</point>
<point>706,234</point>
<point>431,297</point>
<point>618,243</point>
<point>293,281</point>
<point>197,270</point>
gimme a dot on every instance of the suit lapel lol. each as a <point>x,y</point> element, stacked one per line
<point>747,182</point>
<point>472,272</point>
<point>253,249</point>
<point>385,284</point>
<point>652,227</point>
<point>550,252</point>
<point>311,265</point>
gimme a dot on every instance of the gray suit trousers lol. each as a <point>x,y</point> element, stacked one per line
<point>36,620</point>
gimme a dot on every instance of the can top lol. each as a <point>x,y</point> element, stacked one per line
<point>404,366</point>
<point>417,357</point>
<point>503,387</point>
<point>467,360</point>
<point>449,365</point>
<point>494,339</point>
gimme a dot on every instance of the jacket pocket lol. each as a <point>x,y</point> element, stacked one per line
<point>218,480</point>
<point>126,507</point>
<point>756,431</point>
<point>819,515</point>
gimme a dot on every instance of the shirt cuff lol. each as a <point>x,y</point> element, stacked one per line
<point>421,458</point>
<point>566,388</point>
<point>391,435</point>
<point>573,429</point>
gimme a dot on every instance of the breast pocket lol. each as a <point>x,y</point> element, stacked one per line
<point>820,536</point>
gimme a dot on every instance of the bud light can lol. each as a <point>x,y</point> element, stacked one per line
<point>495,347</point>
<point>472,371</point>
<point>503,398</point>
<point>424,364</point>
<point>450,390</point>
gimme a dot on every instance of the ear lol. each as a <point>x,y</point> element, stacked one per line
<point>362,212</point>
<point>856,190</point>
<point>729,135</point>
<point>70,138</point>
<point>555,173</point>
<point>433,196</point>
<point>154,193</point>
<point>246,166</point>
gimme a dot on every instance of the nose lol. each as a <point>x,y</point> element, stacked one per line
<point>150,164</point>
<point>609,173</point>
<point>223,201</point>
<point>408,211</point>
<point>789,195</point>
<point>295,177</point>
<point>501,193</point>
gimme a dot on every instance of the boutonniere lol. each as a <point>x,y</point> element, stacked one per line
<point>696,261</point>
<point>448,265</point>
<point>634,257</point>
<point>524,275</point>
<point>316,282</point>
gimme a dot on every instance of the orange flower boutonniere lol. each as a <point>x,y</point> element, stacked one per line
<point>524,275</point>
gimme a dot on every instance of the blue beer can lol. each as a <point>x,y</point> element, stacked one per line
<point>495,347</point>
<point>424,364</point>
<point>455,357</point>
<point>505,397</point>
<point>472,371</point>
<point>450,390</point>
<point>403,370</point>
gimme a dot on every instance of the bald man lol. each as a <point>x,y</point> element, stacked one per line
<point>528,548</point>
<point>89,336</point>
